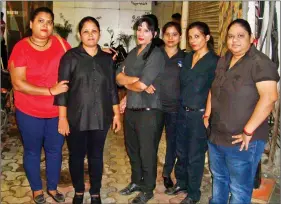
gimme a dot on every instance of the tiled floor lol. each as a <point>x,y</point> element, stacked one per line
<point>15,187</point>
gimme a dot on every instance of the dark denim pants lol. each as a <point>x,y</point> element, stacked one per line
<point>233,172</point>
<point>191,146</point>
<point>79,144</point>
<point>37,133</point>
<point>170,122</point>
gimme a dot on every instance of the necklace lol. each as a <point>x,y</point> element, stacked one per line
<point>30,38</point>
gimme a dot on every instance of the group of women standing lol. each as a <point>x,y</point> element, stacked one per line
<point>165,87</point>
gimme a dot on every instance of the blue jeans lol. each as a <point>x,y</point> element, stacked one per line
<point>234,171</point>
<point>170,120</point>
<point>37,133</point>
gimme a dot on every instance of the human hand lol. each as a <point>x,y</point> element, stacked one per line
<point>150,89</point>
<point>116,124</point>
<point>123,104</point>
<point>110,51</point>
<point>206,121</point>
<point>60,87</point>
<point>63,127</point>
<point>244,139</point>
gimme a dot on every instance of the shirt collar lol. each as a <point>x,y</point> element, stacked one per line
<point>82,50</point>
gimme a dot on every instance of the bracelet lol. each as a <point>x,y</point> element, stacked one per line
<point>205,116</point>
<point>247,133</point>
<point>62,118</point>
<point>50,91</point>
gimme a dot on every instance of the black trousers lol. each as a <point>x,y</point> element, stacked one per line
<point>4,54</point>
<point>143,131</point>
<point>170,121</point>
<point>191,145</point>
<point>79,144</point>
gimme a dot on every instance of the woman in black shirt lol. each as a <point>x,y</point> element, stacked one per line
<point>170,93</point>
<point>86,110</point>
<point>195,81</point>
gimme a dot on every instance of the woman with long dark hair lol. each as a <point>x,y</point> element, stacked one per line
<point>195,81</point>
<point>143,115</point>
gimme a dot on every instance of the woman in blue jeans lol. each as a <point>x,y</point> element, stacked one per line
<point>242,96</point>
<point>33,65</point>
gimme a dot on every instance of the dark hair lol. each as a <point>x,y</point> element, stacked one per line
<point>42,9</point>
<point>85,19</point>
<point>176,16</point>
<point>2,14</point>
<point>177,26</point>
<point>204,29</point>
<point>243,23</point>
<point>152,27</point>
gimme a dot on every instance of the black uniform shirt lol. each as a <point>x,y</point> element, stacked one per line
<point>196,82</point>
<point>235,95</point>
<point>149,71</point>
<point>92,89</point>
<point>170,81</point>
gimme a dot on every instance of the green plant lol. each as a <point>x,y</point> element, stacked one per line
<point>63,29</point>
<point>125,40</point>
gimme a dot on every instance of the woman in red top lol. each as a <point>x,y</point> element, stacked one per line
<point>34,66</point>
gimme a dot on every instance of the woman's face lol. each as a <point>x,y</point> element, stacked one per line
<point>238,40</point>
<point>90,34</point>
<point>171,37</point>
<point>42,26</point>
<point>144,36</point>
<point>197,40</point>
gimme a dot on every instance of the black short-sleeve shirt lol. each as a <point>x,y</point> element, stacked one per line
<point>235,95</point>
<point>92,89</point>
<point>149,71</point>
<point>170,81</point>
<point>195,82</point>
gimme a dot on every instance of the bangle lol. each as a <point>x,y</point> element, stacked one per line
<point>50,91</point>
<point>62,118</point>
<point>205,116</point>
<point>247,133</point>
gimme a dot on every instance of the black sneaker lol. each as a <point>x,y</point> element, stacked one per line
<point>78,199</point>
<point>132,187</point>
<point>175,190</point>
<point>142,198</point>
<point>95,199</point>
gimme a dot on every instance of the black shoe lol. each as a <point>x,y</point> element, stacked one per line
<point>78,199</point>
<point>168,183</point>
<point>40,199</point>
<point>95,199</point>
<point>58,197</point>
<point>188,200</point>
<point>142,198</point>
<point>132,187</point>
<point>175,190</point>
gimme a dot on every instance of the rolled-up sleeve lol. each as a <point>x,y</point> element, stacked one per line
<point>113,86</point>
<point>64,74</point>
<point>153,66</point>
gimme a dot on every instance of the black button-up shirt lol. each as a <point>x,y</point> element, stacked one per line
<point>235,95</point>
<point>170,81</point>
<point>149,71</point>
<point>92,89</point>
<point>195,82</point>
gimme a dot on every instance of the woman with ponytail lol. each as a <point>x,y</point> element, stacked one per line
<point>196,78</point>
<point>143,114</point>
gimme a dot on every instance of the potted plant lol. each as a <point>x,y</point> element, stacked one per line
<point>63,29</point>
<point>125,40</point>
